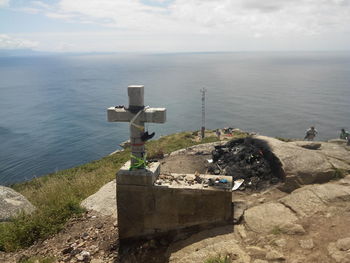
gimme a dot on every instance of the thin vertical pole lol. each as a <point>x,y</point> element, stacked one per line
<point>203,91</point>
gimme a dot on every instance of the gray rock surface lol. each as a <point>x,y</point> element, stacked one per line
<point>307,243</point>
<point>198,249</point>
<point>311,199</point>
<point>292,229</point>
<point>338,255</point>
<point>103,201</point>
<point>266,217</point>
<point>12,203</point>
<point>304,203</point>
<point>303,166</point>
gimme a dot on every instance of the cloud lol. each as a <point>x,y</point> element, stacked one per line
<point>4,2</point>
<point>208,23</point>
<point>268,17</point>
<point>7,42</point>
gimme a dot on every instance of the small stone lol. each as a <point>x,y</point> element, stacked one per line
<point>67,250</point>
<point>99,225</point>
<point>75,251</point>
<point>292,229</point>
<point>307,244</point>
<point>83,256</point>
<point>280,242</point>
<point>274,255</point>
<point>257,252</point>
<point>343,244</point>
<point>261,200</point>
<point>241,231</point>
<point>79,257</point>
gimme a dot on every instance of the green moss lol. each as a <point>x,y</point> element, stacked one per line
<point>37,260</point>
<point>276,231</point>
<point>339,173</point>
<point>218,259</point>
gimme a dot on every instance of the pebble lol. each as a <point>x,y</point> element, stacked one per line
<point>307,243</point>
<point>280,242</point>
<point>343,244</point>
<point>274,255</point>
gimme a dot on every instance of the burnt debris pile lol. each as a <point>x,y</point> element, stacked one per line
<point>249,159</point>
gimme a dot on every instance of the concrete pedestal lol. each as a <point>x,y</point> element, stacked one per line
<point>146,210</point>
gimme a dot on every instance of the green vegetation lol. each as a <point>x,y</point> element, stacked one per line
<point>57,196</point>
<point>339,173</point>
<point>276,231</point>
<point>219,259</point>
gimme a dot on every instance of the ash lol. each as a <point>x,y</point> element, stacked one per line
<point>249,159</point>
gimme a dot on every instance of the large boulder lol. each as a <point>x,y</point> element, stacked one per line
<point>304,164</point>
<point>12,203</point>
<point>267,217</point>
<point>103,201</point>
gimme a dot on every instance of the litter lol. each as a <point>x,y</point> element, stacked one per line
<point>237,184</point>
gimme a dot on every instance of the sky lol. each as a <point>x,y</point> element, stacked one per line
<point>174,25</point>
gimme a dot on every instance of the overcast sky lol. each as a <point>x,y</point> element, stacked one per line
<point>175,25</point>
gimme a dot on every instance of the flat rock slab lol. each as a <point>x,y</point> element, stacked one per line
<point>311,199</point>
<point>264,218</point>
<point>12,203</point>
<point>304,203</point>
<point>103,201</point>
<point>207,244</point>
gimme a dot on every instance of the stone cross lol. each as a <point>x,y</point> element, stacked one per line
<point>137,114</point>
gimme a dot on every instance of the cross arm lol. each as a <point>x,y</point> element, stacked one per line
<point>152,115</point>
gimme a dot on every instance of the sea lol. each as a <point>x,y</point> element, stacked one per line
<point>53,107</point>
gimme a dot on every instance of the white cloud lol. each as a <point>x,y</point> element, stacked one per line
<point>8,42</point>
<point>4,2</point>
<point>268,17</point>
<point>207,24</point>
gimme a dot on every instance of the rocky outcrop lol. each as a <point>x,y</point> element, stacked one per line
<point>103,201</point>
<point>308,162</point>
<point>304,202</point>
<point>13,203</point>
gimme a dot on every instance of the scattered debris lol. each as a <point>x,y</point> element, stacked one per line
<point>248,160</point>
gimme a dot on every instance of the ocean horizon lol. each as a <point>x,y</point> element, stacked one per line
<point>53,107</point>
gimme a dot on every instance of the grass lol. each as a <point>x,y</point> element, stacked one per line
<point>218,259</point>
<point>57,196</point>
<point>339,173</point>
<point>276,230</point>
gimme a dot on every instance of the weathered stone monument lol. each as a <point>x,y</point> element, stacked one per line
<point>145,209</point>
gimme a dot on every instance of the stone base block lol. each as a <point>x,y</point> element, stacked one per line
<point>138,176</point>
<point>144,211</point>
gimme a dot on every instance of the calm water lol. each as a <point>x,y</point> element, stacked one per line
<point>53,109</point>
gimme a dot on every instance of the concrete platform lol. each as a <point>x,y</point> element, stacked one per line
<point>146,210</point>
<point>150,210</point>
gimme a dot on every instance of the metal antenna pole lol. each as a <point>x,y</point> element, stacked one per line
<point>203,91</point>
